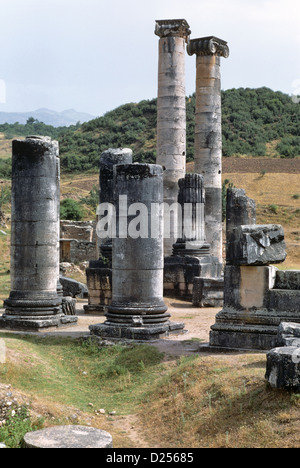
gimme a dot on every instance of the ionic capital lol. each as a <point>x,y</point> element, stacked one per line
<point>208,46</point>
<point>174,28</point>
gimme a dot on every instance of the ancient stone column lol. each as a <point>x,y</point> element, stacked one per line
<point>208,131</point>
<point>137,309</point>
<point>191,201</point>
<point>191,256</point>
<point>171,109</point>
<point>108,160</point>
<point>99,273</point>
<point>34,301</point>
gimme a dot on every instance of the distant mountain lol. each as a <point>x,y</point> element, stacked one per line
<point>56,119</point>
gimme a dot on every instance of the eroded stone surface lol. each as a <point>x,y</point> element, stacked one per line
<point>283,367</point>
<point>256,245</point>
<point>68,437</point>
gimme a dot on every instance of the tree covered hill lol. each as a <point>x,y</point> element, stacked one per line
<point>256,122</point>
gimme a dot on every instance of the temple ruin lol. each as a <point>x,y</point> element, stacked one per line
<point>135,264</point>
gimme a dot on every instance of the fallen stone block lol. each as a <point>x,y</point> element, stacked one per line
<point>256,245</point>
<point>283,368</point>
<point>72,287</point>
<point>289,334</point>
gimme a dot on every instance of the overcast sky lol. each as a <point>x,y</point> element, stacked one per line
<point>94,55</point>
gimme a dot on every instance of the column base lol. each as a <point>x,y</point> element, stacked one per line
<point>95,309</point>
<point>140,333</point>
<point>37,323</point>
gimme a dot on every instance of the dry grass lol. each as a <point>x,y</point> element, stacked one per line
<point>5,147</point>
<point>220,402</point>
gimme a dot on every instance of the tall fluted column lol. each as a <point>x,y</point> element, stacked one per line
<point>34,301</point>
<point>191,199</point>
<point>208,131</point>
<point>171,110</point>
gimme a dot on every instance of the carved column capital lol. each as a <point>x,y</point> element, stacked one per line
<point>174,28</point>
<point>210,45</point>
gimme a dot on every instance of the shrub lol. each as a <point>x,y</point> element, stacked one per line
<point>71,209</point>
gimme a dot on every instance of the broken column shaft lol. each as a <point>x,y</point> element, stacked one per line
<point>137,310</point>
<point>34,301</point>
<point>99,273</point>
<point>191,201</point>
<point>208,131</point>
<point>171,109</point>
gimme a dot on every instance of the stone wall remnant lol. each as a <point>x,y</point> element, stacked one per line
<point>257,296</point>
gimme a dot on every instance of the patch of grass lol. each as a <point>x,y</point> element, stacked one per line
<point>17,425</point>
<point>64,370</point>
<point>273,208</point>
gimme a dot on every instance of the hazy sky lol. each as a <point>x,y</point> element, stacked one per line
<point>94,55</point>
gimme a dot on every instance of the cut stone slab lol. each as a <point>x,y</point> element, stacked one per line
<point>208,292</point>
<point>288,279</point>
<point>68,437</point>
<point>283,368</point>
<point>256,245</point>
<point>289,334</point>
<point>37,323</point>
<point>72,287</point>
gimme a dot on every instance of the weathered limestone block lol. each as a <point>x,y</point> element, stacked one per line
<point>254,309</point>
<point>289,334</point>
<point>69,305</point>
<point>288,279</point>
<point>72,287</point>
<point>181,270</point>
<point>248,287</point>
<point>245,322</point>
<point>240,209</point>
<point>208,292</point>
<point>283,368</point>
<point>256,245</point>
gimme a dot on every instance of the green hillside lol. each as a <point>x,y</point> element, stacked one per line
<point>256,122</point>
